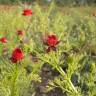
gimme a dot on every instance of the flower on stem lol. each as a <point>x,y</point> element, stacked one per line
<point>27,12</point>
<point>51,41</point>
<point>17,55</point>
<point>20,33</point>
<point>3,40</point>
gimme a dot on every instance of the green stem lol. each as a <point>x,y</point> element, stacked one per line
<point>60,70</point>
<point>14,81</point>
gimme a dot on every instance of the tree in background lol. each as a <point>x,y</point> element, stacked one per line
<point>58,2</point>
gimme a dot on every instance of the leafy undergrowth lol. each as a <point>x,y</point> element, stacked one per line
<point>45,52</point>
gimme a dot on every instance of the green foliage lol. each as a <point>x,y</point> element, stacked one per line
<point>76,32</point>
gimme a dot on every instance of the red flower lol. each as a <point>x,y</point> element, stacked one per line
<point>20,33</point>
<point>52,40</point>
<point>3,40</point>
<point>27,12</point>
<point>17,55</point>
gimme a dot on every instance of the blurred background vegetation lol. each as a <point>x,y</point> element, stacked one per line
<point>58,2</point>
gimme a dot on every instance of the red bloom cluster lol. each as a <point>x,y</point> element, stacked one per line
<point>17,55</point>
<point>20,33</point>
<point>51,42</point>
<point>3,40</point>
<point>27,12</point>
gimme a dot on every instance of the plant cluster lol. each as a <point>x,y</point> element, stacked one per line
<point>31,36</point>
